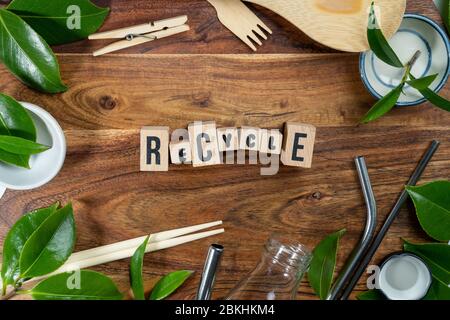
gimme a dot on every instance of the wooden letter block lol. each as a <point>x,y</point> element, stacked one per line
<point>203,139</point>
<point>249,138</point>
<point>228,139</point>
<point>155,149</point>
<point>271,141</point>
<point>180,152</point>
<point>298,146</point>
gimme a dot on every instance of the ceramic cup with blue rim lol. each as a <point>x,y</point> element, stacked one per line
<point>416,33</point>
<point>44,166</point>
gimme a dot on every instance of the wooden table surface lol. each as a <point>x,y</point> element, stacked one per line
<point>208,74</point>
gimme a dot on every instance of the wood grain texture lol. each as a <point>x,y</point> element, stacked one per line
<point>112,97</point>
<point>207,34</point>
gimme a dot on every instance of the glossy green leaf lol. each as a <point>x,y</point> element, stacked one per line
<point>378,43</point>
<point>323,264</point>
<point>168,284</point>
<point>384,105</point>
<point>50,245</point>
<point>438,291</point>
<point>436,256</point>
<point>422,83</point>
<point>15,121</point>
<point>16,239</point>
<point>137,282</point>
<point>21,146</point>
<point>60,21</point>
<point>27,55</point>
<point>82,285</point>
<point>371,295</point>
<point>432,203</point>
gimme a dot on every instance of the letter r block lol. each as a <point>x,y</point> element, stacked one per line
<point>155,149</point>
<point>298,146</point>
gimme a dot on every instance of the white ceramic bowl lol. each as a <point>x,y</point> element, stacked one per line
<point>416,33</point>
<point>44,166</point>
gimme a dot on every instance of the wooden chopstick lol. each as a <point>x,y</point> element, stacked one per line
<point>127,253</point>
<point>136,242</point>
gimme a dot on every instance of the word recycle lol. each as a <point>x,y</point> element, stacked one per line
<point>203,144</point>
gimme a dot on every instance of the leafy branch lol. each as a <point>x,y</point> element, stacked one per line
<point>41,242</point>
<point>37,245</point>
<point>381,48</point>
<point>17,134</point>
<point>26,28</point>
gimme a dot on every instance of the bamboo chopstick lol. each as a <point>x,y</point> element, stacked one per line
<point>127,253</point>
<point>136,242</point>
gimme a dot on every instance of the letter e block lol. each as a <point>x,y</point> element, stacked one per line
<point>271,141</point>
<point>180,152</point>
<point>155,149</point>
<point>298,146</point>
<point>203,139</point>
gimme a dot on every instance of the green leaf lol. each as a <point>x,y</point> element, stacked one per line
<point>429,94</point>
<point>323,263</point>
<point>384,105</point>
<point>422,83</point>
<point>137,283</point>
<point>432,203</point>
<point>371,295</point>
<point>21,146</point>
<point>438,291</point>
<point>436,256</point>
<point>61,21</point>
<point>15,121</point>
<point>16,239</point>
<point>27,55</point>
<point>168,284</point>
<point>50,245</point>
<point>444,9</point>
<point>378,43</point>
<point>435,99</point>
<point>82,285</point>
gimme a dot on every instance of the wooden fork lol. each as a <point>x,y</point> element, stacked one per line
<point>240,20</point>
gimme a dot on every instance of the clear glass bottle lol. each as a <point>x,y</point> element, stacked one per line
<point>278,274</point>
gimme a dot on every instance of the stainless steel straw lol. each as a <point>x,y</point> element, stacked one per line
<point>209,272</point>
<point>387,224</point>
<point>368,234</point>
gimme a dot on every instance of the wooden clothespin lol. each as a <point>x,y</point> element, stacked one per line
<point>140,34</point>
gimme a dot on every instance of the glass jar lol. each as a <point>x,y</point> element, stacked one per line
<point>278,274</point>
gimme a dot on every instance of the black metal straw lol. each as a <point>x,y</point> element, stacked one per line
<point>387,224</point>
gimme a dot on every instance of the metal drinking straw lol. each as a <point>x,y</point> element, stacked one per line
<point>368,234</point>
<point>387,224</point>
<point>209,272</point>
